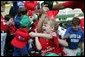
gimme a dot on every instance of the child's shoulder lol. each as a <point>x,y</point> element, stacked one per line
<point>69,28</point>
<point>80,30</point>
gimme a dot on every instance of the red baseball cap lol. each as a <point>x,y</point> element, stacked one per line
<point>52,13</point>
<point>30,5</point>
<point>21,38</point>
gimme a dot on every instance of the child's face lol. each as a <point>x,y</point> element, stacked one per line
<point>75,27</point>
<point>10,22</point>
<point>47,28</point>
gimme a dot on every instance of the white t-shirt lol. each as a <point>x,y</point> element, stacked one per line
<point>61,31</point>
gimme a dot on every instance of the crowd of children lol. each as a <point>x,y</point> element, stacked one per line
<point>31,29</point>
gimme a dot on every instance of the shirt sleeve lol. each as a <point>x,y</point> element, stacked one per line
<point>67,33</point>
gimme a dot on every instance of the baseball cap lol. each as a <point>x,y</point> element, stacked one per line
<point>21,38</point>
<point>52,13</point>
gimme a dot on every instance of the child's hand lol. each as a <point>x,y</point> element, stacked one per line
<point>45,9</point>
<point>31,34</point>
<point>10,22</point>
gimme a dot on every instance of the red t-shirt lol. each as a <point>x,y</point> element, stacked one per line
<point>74,4</point>
<point>51,44</point>
<point>4,27</point>
<point>12,29</point>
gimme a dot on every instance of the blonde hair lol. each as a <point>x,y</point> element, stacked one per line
<point>52,23</point>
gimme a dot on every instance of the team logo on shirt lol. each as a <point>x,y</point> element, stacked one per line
<point>75,37</point>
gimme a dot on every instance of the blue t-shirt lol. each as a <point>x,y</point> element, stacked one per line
<point>74,37</point>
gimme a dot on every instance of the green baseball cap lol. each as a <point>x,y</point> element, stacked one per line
<point>25,21</point>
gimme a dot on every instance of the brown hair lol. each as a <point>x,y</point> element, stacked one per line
<point>75,21</point>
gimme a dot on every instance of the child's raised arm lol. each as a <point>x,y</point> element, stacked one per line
<point>39,27</point>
